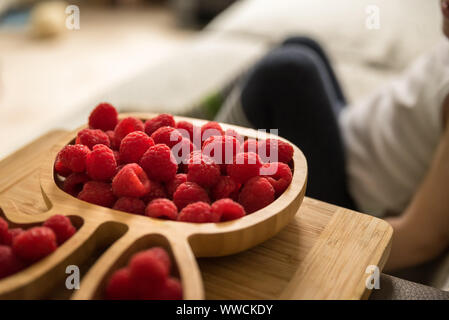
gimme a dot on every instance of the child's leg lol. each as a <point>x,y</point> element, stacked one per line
<point>291,90</point>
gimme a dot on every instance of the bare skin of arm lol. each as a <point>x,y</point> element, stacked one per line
<point>422,231</point>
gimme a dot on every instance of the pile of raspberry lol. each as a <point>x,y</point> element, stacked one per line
<point>146,277</point>
<point>172,170</point>
<point>20,248</point>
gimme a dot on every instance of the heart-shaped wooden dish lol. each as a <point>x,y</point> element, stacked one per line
<point>130,233</point>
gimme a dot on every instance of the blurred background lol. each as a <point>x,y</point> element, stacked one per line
<point>180,56</point>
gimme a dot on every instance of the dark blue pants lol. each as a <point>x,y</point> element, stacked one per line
<point>294,89</point>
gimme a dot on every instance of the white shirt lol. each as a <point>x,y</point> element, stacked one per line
<point>391,136</point>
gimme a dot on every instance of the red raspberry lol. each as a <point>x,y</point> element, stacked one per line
<point>148,273</point>
<point>162,208</point>
<point>283,150</point>
<point>61,226</point>
<point>235,134</point>
<point>74,183</point>
<point>210,129</point>
<point>157,191</point>
<point>60,168</point>
<point>279,175</point>
<point>35,244</point>
<point>162,120</point>
<point>99,193</point>
<point>186,129</point>
<point>115,143</point>
<point>189,192</point>
<point>131,181</point>
<point>120,287</point>
<point>245,166</point>
<point>73,157</point>
<point>126,126</point>
<point>173,184</point>
<point>250,145</point>
<point>170,290</point>
<point>100,163</point>
<point>134,145</point>
<point>130,205</point>
<point>167,135</point>
<point>182,150</point>
<point>227,209</point>
<point>92,137</point>
<point>9,262</point>
<point>5,237</point>
<point>256,194</point>
<point>222,149</point>
<point>225,188</point>
<point>103,117</point>
<point>198,212</point>
<point>202,170</point>
<point>159,163</point>
<point>13,233</point>
<point>162,256</point>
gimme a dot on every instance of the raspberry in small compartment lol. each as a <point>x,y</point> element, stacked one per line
<point>9,262</point>
<point>73,157</point>
<point>92,137</point>
<point>74,183</point>
<point>244,167</point>
<point>126,126</point>
<point>227,209</point>
<point>170,290</point>
<point>120,287</point>
<point>5,237</point>
<point>131,181</point>
<point>279,175</point>
<point>162,209</point>
<point>101,164</point>
<point>34,244</point>
<point>275,150</point>
<point>256,194</point>
<point>103,117</point>
<point>189,192</point>
<point>202,170</point>
<point>99,193</point>
<point>61,226</point>
<point>198,212</point>
<point>134,145</point>
<point>162,120</point>
<point>159,163</point>
<point>130,205</point>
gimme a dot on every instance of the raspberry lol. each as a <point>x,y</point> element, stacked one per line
<point>227,209</point>
<point>130,205</point>
<point>170,290</point>
<point>162,120</point>
<point>9,262</point>
<point>73,157</point>
<point>157,191</point>
<point>189,192</point>
<point>103,117</point>
<point>13,233</point>
<point>147,272</point>
<point>133,146</point>
<point>61,226</point>
<point>162,208</point>
<point>117,159</point>
<point>99,193</point>
<point>120,287</point>
<point>250,145</point>
<point>159,163</point>
<point>280,176</point>
<point>74,183</point>
<point>4,234</point>
<point>202,170</point>
<point>161,255</point>
<point>222,149</point>
<point>115,143</point>
<point>198,212</point>
<point>210,129</point>
<point>100,163</point>
<point>235,134</point>
<point>92,137</point>
<point>60,168</point>
<point>244,167</point>
<point>173,184</point>
<point>131,181</point>
<point>126,126</point>
<point>167,135</point>
<point>256,194</point>
<point>283,150</point>
<point>226,187</point>
<point>35,244</point>
<point>182,150</point>
<point>186,129</point>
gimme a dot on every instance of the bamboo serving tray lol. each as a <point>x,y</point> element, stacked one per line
<point>322,253</point>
